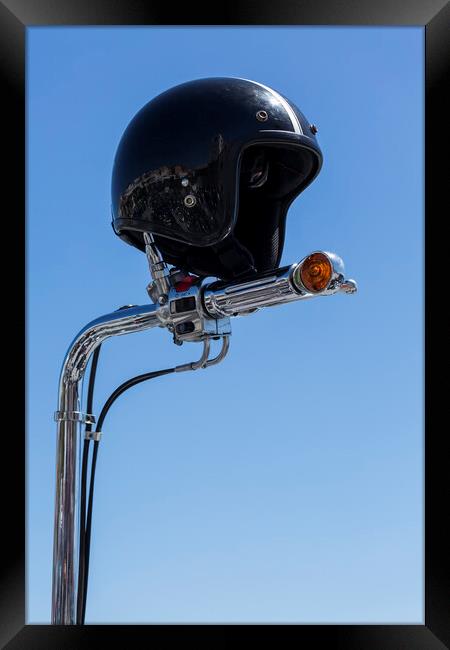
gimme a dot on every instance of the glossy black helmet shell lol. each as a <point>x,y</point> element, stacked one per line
<point>210,167</point>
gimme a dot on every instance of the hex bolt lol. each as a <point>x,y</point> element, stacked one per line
<point>185,182</point>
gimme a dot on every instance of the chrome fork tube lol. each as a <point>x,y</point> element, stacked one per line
<point>69,417</point>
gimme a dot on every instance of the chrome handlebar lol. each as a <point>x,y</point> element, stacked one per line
<point>276,287</point>
<point>197,314</point>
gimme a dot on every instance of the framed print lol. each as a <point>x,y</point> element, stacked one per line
<point>295,491</point>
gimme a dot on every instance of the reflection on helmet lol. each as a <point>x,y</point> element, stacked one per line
<point>209,179</point>
<point>254,168</point>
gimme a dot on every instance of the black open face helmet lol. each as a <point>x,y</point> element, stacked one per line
<point>210,168</point>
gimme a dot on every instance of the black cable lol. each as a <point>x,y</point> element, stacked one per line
<point>125,386</point>
<point>88,531</point>
<point>90,395</point>
<point>88,427</point>
<point>87,536</point>
<point>81,552</point>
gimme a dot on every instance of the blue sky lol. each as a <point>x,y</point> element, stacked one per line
<point>285,484</point>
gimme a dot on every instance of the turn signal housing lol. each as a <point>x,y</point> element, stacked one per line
<point>314,273</point>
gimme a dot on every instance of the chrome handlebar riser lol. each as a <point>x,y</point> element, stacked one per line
<point>121,322</point>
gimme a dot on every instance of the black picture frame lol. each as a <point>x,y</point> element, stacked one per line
<point>15,17</point>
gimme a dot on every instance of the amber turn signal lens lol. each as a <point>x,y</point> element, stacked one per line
<point>315,272</point>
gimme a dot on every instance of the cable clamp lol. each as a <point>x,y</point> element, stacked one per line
<point>93,435</point>
<point>74,416</point>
